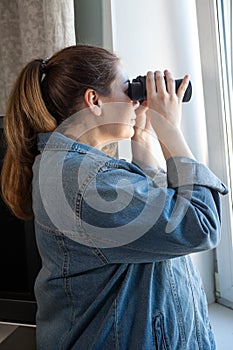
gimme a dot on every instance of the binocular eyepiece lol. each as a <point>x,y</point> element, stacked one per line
<point>137,89</point>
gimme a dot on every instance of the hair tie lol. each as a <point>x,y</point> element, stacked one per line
<point>43,66</point>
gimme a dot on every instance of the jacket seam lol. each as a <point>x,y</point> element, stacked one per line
<point>177,305</point>
<point>197,325</point>
<point>115,325</point>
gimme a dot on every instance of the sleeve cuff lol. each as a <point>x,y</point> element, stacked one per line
<point>182,171</point>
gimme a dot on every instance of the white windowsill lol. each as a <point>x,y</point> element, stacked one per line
<point>221,319</point>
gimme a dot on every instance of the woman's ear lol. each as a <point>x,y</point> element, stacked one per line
<point>91,98</point>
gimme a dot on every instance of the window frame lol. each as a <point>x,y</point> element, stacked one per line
<point>218,109</point>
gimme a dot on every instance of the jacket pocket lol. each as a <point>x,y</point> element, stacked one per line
<point>159,334</point>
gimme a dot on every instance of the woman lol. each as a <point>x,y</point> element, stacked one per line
<point>114,236</point>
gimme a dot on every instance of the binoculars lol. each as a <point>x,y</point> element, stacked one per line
<point>137,89</point>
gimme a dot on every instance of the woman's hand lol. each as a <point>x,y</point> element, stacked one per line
<point>165,110</point>
<point>146,149</point>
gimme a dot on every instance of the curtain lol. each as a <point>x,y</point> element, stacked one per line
<point>31,29</point>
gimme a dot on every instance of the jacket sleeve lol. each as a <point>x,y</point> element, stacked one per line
<point>132,219</point>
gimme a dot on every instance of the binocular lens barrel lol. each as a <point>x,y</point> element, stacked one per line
<point>137,89</point>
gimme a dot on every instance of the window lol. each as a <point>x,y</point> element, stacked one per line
<point>216,44</point>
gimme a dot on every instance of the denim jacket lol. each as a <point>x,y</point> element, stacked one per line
<point>115,248</point>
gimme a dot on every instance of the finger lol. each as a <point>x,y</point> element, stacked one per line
<point>141,117</point>
<point>183,86</point>
<point>170,82</point>
<point>160,82</point>
<point>144,103</point>
<point>141,109</point>
<point>150,84</point>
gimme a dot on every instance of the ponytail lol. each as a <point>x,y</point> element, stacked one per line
<point>45,94</point>
<point>26,116</point>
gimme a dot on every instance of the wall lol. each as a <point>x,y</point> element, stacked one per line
<point>93,22</point>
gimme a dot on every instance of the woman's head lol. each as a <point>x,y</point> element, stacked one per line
<point>70,72</point>
<point>84,76</point>
<point>42,97</point>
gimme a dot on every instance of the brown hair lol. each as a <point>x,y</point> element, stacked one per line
<point>43,96</point>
